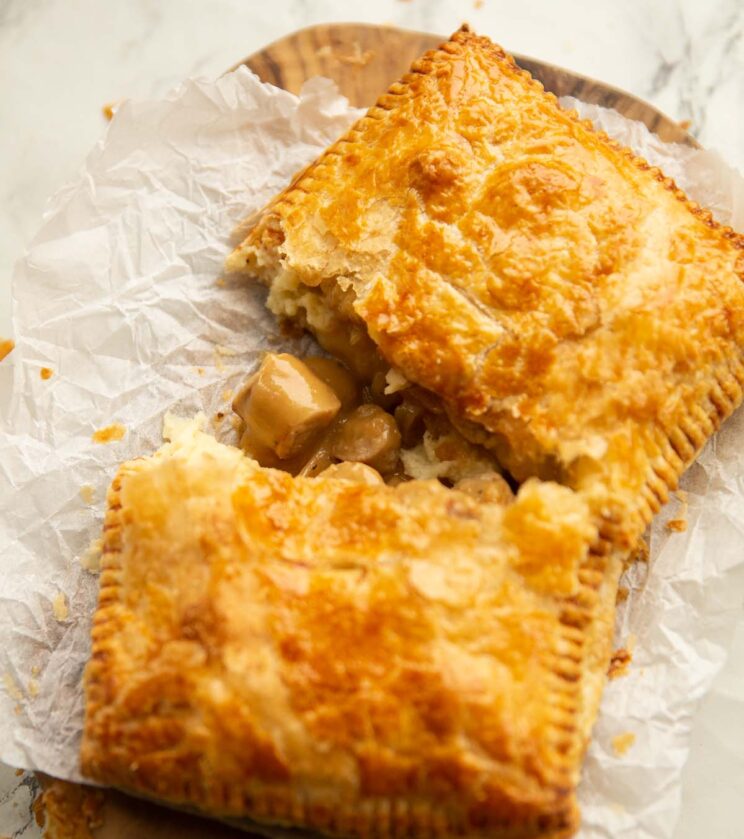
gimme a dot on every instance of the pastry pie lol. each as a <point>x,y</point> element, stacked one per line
<point>573,310</point>
<point>424,657</point>
<point>345,656</point>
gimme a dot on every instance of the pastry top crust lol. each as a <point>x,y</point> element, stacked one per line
<point>358,659</point>
<point>576,312</point>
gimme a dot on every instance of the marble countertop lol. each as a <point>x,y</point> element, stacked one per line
<point>62,60</point>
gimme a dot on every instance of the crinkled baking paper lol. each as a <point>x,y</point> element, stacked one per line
<point>121,295</point>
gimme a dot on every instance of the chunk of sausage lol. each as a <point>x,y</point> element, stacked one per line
<point>368,435</point>
<point>285,405</point>
<point>338,378</point>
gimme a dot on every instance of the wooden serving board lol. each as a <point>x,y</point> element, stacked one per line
<point>363,60</point>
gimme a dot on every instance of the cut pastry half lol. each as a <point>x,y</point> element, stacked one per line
<point>352,658</point>
<point>571,308</point>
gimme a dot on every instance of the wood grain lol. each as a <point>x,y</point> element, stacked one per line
<point>364,59</point>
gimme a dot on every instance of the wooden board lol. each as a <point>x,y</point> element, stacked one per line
<point>363,60</point>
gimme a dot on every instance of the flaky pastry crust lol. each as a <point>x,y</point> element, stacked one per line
<point>359,660</point>
<point>574,310</point>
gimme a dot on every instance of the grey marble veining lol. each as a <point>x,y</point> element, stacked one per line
<point>61,60</point>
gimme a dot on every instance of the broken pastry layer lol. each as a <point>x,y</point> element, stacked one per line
<point>576,313</point>
<point>357,659</point>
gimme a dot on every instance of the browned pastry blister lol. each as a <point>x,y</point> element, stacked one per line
<point>575,312</point>
<point>356,659</point>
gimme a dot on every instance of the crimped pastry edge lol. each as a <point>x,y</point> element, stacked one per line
<point>384,817</point>
<point>679,444</point>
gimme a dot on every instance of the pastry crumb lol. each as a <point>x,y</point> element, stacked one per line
<point>59,607</point>
<point>220,281</point>
<point>11,688</point>
<point>68,811</point>
<point>679,524</point>
<point>638,554</point>
<point>35,670</point>
<point>6,347</point>
<point>685,124</point>
<point>478,4</point>
<point>19,772</point>
<point>622,594</point>
<point>110,108</point>
<point>619,663</point>
<point>33,688</point>
<point>87,493</point>
<point>91,558</point>
<point>621,743</point>
<point>109,433</point>
<point>46,373</point>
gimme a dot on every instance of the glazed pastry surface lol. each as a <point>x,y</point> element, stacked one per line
<point>573,310</point>
<point>354,658</point>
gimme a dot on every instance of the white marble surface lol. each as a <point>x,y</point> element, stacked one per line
<point>61,60</point>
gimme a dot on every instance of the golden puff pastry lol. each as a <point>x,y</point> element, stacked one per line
<point>360,660</point>
<point>575,311</point>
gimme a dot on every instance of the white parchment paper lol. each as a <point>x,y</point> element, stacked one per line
<point>121,295</point>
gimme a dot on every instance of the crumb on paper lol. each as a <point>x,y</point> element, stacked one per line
<point>199,371</point>
<point>19,772</point>
<point>478,4</point>
<point>225,351</point>
<point>638,554</point>
<point>46,373</point>
<point>218,418</point>
<point>679,524</point>
<point>619,663</point>
<point>227,394</point>
<point>91,557</point>
<point>685,124</point>
<point>59,607</point>
<point>110,108</point>
<point>68,811</point>
<point>109,433</point>
<point>6,347</point>
<point>622,594</point>
<point>11,688</point>
<point>221,282</point>
<point>87,493</point>
<point>183,429</point>
<point>33,688</point>
<point>621,743</point>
